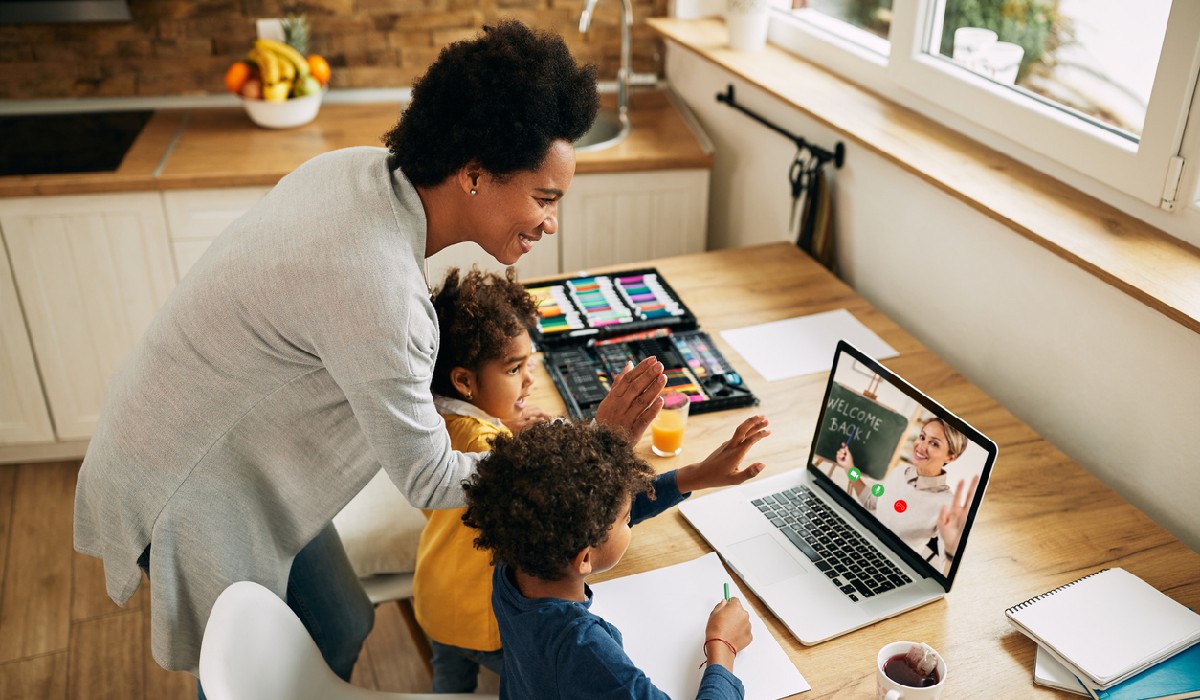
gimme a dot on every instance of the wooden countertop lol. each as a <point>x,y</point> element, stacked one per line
<point>1044,522</point>
<point>221,147</point>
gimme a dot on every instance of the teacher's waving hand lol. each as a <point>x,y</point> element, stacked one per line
<point>294,360</point>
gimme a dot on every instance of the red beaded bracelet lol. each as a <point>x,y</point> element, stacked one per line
<point>715,639</point>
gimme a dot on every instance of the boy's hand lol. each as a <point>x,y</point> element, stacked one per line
<point>728,621</point>
<point>722,467</point>
<point>633,400</point>
<point>529,416</point>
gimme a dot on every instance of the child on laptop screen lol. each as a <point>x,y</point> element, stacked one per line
<point>554,505</point>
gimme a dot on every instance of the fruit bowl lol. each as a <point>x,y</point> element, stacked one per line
<point>289,113</point>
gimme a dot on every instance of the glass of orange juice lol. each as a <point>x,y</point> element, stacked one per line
<point>666,432</point>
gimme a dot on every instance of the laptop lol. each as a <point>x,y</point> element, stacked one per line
<point>853,537</point>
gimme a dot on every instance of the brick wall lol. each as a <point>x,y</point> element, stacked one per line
<point>173,47</point>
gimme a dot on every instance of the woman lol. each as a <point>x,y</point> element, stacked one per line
<point>295,358</point>
<point>930,510</point>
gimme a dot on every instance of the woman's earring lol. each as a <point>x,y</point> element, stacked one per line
<point>474,191</point>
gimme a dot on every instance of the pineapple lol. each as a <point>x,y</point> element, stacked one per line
<point>295,32</point>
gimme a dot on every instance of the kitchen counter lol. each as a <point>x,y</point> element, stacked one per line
<point>221,147</point>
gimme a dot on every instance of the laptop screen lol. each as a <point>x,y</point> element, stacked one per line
<point>907,467</point>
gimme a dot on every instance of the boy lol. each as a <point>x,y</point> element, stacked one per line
<point>554,505</point>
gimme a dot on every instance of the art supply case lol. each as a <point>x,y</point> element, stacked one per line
<point>589,327</point>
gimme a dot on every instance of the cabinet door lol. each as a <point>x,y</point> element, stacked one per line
<point>23,415</point>
<point>92,271</point>
<point>608,219</point>
<point>196,217</point>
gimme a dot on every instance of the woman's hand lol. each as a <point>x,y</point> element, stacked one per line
<point>633,400</point>
<point>723,466</point>
<point>953,517</point>
<point>529,416</point>
<point>845,460</point>
<point>728,621</point>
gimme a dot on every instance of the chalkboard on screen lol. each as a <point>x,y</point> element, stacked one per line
<point>877,430</point>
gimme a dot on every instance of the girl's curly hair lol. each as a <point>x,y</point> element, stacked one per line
<point>477,316</point>
<point>539,498</point>
<point>500,100</point>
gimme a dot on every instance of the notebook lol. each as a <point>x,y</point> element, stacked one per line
<point>1049,672</point>
<point>833,544</point>
<point>1177,678</point>
<point>1107,626</point>
<point>668,608</point>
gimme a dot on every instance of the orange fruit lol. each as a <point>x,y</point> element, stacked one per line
<point>236,76</point>
<point>319,68</point>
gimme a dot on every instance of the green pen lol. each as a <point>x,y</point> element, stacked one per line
<point>727,592</point>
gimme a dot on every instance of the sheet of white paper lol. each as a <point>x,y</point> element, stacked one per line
<point>803,345</point>
<point>662,615</point>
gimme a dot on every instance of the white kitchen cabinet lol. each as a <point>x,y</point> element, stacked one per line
<point>91,271</point>
<point>196,217</point>
<point>23,414</point>
<point>614,218</point>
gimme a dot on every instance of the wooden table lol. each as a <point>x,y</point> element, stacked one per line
<point>1045,521</point>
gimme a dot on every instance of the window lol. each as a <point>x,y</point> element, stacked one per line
<point>1099,89</point>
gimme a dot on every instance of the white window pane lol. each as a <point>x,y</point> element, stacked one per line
<point>872,16</point>
<point>1093,58</point>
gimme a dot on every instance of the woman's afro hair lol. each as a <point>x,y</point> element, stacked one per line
<point>541,497</point>
<point>499,100</point>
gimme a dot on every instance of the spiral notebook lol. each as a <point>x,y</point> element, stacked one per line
<point>1107,626</point>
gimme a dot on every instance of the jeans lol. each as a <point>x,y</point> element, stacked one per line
<point>326,595</point>
<point>456,670</point>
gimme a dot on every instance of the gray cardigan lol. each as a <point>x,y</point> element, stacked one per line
<point>289,365</point>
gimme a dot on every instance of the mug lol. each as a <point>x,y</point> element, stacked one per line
<point>969,45</point>
<point>747,21</point>
<point>889,689</point>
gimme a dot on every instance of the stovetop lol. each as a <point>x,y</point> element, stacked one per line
<point>83,142</point>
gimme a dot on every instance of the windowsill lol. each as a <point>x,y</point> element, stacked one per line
<point>1158,270</point>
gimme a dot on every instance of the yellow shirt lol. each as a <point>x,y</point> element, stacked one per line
<point>452,586</point>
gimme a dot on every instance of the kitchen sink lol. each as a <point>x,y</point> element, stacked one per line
<point>75,142</point>
<point>608,130</point>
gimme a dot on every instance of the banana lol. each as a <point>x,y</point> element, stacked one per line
<point>287,71</point>
<point>268,64</point>
<point>286,54</point>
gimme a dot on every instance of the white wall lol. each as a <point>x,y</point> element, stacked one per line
<point>1112,383</point>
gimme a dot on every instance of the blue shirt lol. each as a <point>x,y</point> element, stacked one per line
<point>555,648</point>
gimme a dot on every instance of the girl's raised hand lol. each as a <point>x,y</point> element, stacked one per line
<point>723,466</point>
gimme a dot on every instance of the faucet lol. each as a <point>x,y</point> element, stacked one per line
<point>624,72</point>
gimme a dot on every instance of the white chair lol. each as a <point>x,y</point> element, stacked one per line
<point>255,648</point>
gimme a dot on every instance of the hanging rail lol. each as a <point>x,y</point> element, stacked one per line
<point>839,151</point>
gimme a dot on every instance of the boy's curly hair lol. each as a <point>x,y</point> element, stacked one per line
<point>477,316</point>
<point>501,100</point>
<point>539,498</point>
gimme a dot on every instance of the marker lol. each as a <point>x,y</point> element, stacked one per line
<point>727,593</point>
<point>853,432</point>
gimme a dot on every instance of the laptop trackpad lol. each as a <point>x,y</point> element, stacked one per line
<point>764,559</point>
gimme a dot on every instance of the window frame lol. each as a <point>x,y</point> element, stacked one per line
<point>1130,175</point>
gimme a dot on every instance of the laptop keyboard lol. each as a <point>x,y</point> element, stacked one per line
<point>846,557</point>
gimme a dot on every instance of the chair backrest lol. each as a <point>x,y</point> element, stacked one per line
<point>255,648</point>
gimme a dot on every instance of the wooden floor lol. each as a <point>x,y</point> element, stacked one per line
<point>61,636</point>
